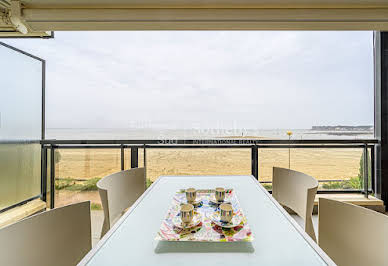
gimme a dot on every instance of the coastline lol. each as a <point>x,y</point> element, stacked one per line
<point>77,167</point>
<point>92,164</point>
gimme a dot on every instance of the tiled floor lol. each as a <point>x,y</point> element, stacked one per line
<point>97,218</point>
<point>301,222</point>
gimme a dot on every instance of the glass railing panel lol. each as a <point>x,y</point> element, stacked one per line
<point>140,158</point>
<point>20,166</point>
<point>197,162</point>
<point>335,168</point>
<point>21,96</point>
<point>269,158</point>
<point>77,172</point>
<point>127,158</point>
<point>20,126</point>
<point>369,169</point>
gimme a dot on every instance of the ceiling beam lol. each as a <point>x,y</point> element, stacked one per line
<point>41,19</point>
<point>204,3</point>
<point>56,15</point>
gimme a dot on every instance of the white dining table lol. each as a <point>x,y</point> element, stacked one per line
<point>278,239</point>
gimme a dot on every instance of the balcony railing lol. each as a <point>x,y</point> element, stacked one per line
<point>132,147</point>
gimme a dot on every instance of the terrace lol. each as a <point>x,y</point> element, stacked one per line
<point>39,173</point>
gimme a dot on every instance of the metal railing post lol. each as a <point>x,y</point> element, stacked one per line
<point>52,177</point>
<point>372,168</point>
<point>43,185</point>
<point>145,166</point>
<point>366,172</point>
<point>134,157</point>
<point>122,157</point>
<point>255,162</point>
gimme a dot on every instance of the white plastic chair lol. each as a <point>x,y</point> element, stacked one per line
<point>352,235</point>
<point>296,191</point>
<point>118,192</point>
<point>60,236</point>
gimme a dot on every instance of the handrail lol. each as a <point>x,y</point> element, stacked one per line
<point>201,146</point>
<point>226,141</point>
<point>21,141</point>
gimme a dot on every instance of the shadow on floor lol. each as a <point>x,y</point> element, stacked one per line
<point>300,221</point>
<point>97,218</point>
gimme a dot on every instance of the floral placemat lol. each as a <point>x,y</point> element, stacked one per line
<point>206,230</point>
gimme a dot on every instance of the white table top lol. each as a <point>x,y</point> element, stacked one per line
<point>278,239</point>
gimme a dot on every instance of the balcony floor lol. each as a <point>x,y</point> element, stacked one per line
<point>16,214</point>
<point>97,218</point>
<point>357,199</point>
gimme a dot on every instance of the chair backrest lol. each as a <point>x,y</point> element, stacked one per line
<point>296,191</point>
<point>119,191</point>
<point>60,236</point>
<point>352,235</point>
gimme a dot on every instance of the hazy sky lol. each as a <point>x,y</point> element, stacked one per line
<point>216,79</point>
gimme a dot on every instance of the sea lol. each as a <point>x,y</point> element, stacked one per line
<point>155,133</point>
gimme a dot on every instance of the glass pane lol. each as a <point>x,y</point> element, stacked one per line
<point>127,158</point>
<point>78,170</point>
<point>21,96</point>
<point>19,173</point>
<point>369,170</point>
<point>197,162</point>
<point>334,168</point>
<point>20,126</point>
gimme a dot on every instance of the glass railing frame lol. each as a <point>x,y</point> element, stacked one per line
<point>253,144</point>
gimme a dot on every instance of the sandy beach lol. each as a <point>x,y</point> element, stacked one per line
<point>96,163</point>
<point>320,163</point>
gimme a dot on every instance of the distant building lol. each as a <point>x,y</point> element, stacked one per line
<point>342,128</point>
